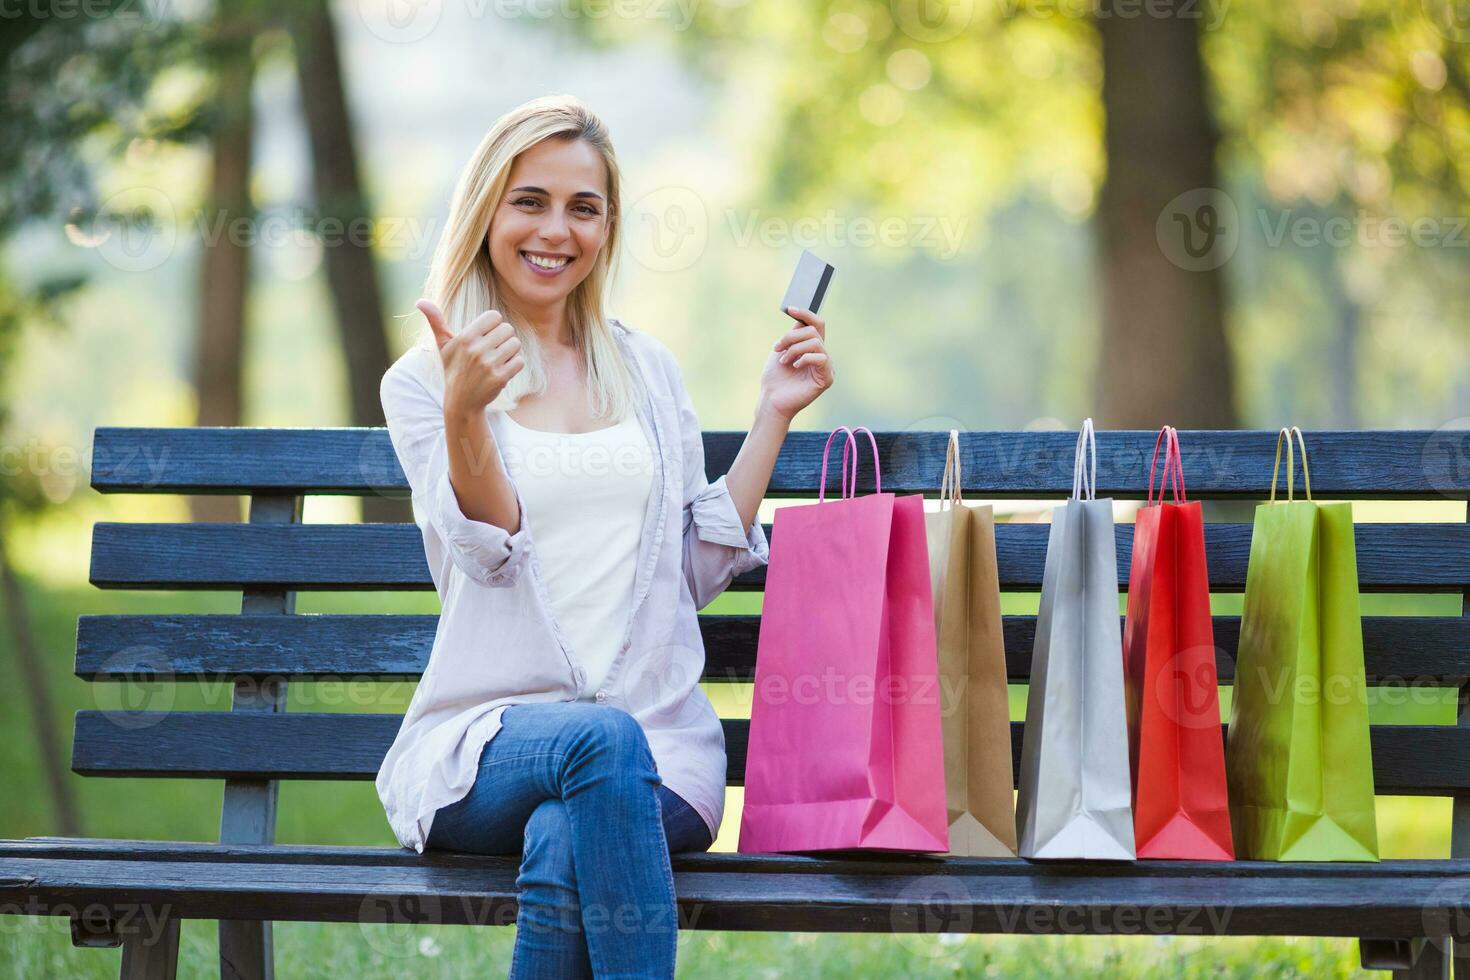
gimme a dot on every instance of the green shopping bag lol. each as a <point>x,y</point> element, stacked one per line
<point>1298,759</point>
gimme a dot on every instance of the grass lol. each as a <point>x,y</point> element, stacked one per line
<point>350,814</point>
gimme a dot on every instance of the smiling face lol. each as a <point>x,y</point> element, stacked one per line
<point>550,224</point>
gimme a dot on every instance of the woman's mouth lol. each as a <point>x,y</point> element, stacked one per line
<point>547,266</point>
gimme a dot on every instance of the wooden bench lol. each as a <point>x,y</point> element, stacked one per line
<point>137,893</point>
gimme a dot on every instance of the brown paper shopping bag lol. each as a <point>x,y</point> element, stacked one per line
<point>972,670</point>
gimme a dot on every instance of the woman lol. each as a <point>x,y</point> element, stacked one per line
<point>560,716</point>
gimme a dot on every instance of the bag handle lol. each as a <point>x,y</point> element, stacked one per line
<point>822,487</point>
<point>1290,474</point>
<point>877,473</point>
<point>851,443</point>
<point>1173,467</point>
<point>1080,472</point>
<point>950,491</point>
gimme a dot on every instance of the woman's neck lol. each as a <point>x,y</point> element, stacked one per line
<point>549,323</point>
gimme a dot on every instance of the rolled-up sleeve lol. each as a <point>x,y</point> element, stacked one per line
<point>716,547</point>
<point>485,552</point>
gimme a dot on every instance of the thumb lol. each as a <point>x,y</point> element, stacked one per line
<point>437,324</point>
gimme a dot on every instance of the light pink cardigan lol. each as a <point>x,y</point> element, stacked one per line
<point>498,643</point>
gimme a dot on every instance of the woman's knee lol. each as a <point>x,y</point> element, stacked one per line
<point>614,733</point>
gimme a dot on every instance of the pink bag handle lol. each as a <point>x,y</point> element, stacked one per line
<point>822,487</point>
<point>877,472</point>
<point>850,443</point>
<point>1173,466</point>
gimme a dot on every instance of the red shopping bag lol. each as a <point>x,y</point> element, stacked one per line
<point>845,745</point>
<point>1180,805</point>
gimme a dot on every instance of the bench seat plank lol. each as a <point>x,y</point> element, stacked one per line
<point>759,892</point>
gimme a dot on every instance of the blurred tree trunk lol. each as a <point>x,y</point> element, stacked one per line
<point>225,285</point>
<point>52,761</point>
<point>342,205</point>
<point>1164,355</point>
<point>1344,344</point>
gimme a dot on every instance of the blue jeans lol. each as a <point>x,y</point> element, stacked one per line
<point>572,788</point>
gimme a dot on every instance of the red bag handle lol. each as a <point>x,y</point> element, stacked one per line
<point>1173,467</point>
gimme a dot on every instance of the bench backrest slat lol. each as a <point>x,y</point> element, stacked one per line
<point>1384,464</point>
<point>390,557</point>
<point>1419,650</point>
<point>1408,760</point>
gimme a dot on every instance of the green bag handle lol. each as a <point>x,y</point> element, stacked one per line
<point>1290,473</point>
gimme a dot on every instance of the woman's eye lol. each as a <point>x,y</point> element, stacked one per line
<point>527,200</point>
<point>589,210</point>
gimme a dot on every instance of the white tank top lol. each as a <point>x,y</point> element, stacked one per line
<point>585,495</point>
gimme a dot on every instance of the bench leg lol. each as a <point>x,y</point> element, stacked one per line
<point>246,950</point>
<point>152,955</point>
<point>1430,962</point>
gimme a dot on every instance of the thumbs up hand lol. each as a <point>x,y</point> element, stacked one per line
<point>479,361</point>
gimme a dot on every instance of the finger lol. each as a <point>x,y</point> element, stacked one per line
<point>504,350</point>
<point>512,367</point>
<point>795,334</point>
<point>495,350</point>
<point>796,350</point>
<point>437,323</point>
<point>483,324</point>
<point>808,317</point>
<point>811,360</point>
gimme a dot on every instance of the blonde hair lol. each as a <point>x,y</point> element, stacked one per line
<point>461,279</point>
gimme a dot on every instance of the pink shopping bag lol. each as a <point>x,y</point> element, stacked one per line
<point>845,743</point>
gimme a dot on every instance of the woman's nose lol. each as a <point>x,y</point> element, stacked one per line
<point>554,227</point>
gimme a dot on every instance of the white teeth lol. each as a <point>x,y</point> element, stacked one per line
<point>546,263</point>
